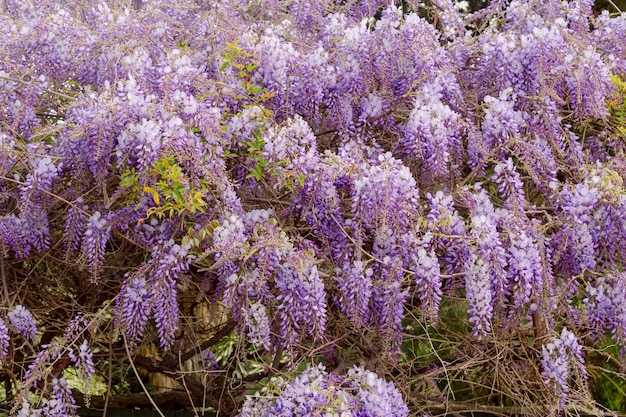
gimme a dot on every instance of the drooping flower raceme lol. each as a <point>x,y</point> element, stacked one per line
<point>94,243</point>
<point>606,307</point>
<point>525,263</point>
<point>136,307</point>
<point>433,132</point>
<point>258,324</point>
<point>23,322</point>
<point>170,261</point>
<point>83,361</point>
<point>479,295</point>
<point>61,403</point>
<point>152,290</point>
<point>302,300</point>
<point>562,360</point>
<point>490,253</point>
<point>425,266</point>
<point>448,229</point>
<point>4,339</point>
<point>510,185</point>
<point>355,285</point>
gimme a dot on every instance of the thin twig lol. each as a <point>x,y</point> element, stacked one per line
<point>4,281</point>
<point>56,93</point>
<point>132,364</point>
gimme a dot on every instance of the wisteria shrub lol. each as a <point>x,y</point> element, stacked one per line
<point>312,207</point>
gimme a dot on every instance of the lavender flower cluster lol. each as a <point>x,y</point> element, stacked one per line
<point>562,360</point>
<point>317,392</point>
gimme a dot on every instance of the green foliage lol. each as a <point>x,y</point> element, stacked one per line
<point>178,195</point>
<point>255,151</point>
<point>244,63</point>
<point>617,106</point>
<point>607,380</point>
<point>169,187</point>
<point>194,238</point>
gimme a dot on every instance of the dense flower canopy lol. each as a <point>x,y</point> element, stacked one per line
<point>224,191</point>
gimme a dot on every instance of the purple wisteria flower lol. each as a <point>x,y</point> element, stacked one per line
<point>7,149</point>
<point>377,397</point>
<point>489,247</point>
<point>258,324</point>
<point>37,183</point>
<point>359,393</point>
<point>209,360</point>
<point>384,194</point>
<point>510,185</point>
<point>23,322</point>
<point>139,144</point>
<point>355,285</point>
<point>577,233</point>
<point>424,264</point>
<point>61,403</point>
<point>94,243</point>
<point>135,307</point>
<point>608,29</point>
<point>302,300</point>
<point>293,149</point>
<point>306,394</point>
<point>4,339</point>
<point>605,305</point>
<point>33,197</point>
<point>502,122</point>
<point>562,359</point>
<point>229,237</point>
<point>388,298</point>
<point>525,266</point>
<point>432,134</point>
<point>14,235</point>
<point>479,295</point>
<point>27,411</point>
<point>169,262</point>
<point>75,225</point>
<point>589,85</point>
<point>448,230</point>
<point>83,361</point>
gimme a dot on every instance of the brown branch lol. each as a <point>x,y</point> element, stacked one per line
<point>169,399</point>
<point>196,389</point>
<point>226,328</point>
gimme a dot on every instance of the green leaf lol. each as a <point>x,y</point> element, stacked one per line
<point>178,196</point>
